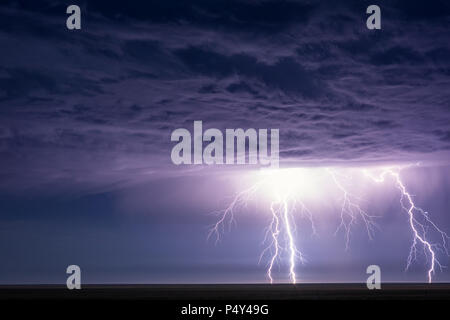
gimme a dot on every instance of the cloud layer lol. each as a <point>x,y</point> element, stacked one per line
<point>96,107</point>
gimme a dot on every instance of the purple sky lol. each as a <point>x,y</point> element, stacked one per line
<point>86,118</point>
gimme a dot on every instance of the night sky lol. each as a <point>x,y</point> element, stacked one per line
<point>86,116</point>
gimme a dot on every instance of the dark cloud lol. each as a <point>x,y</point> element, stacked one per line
<point>286,74</point>
<point>100,103</point>
<point>397,55</point>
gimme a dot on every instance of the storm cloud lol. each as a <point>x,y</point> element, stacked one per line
<point>96,107</point>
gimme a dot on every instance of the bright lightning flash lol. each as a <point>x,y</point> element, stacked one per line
<point>288,190</point>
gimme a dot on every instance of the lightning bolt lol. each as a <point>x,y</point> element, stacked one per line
<point>350,210</point>
<point>418,228</point>
<point>287,188</point>
<point>227,214</point>
<point>281,231</point>
<point>274,230</point>
<point>282,215</point>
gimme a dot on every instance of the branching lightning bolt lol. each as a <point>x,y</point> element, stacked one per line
<point>280,233</point>
<point>418,228</point>
<point>350,210</point>
<point>227,215</point>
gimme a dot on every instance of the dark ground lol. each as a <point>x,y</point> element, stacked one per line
<point>229,292</point>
